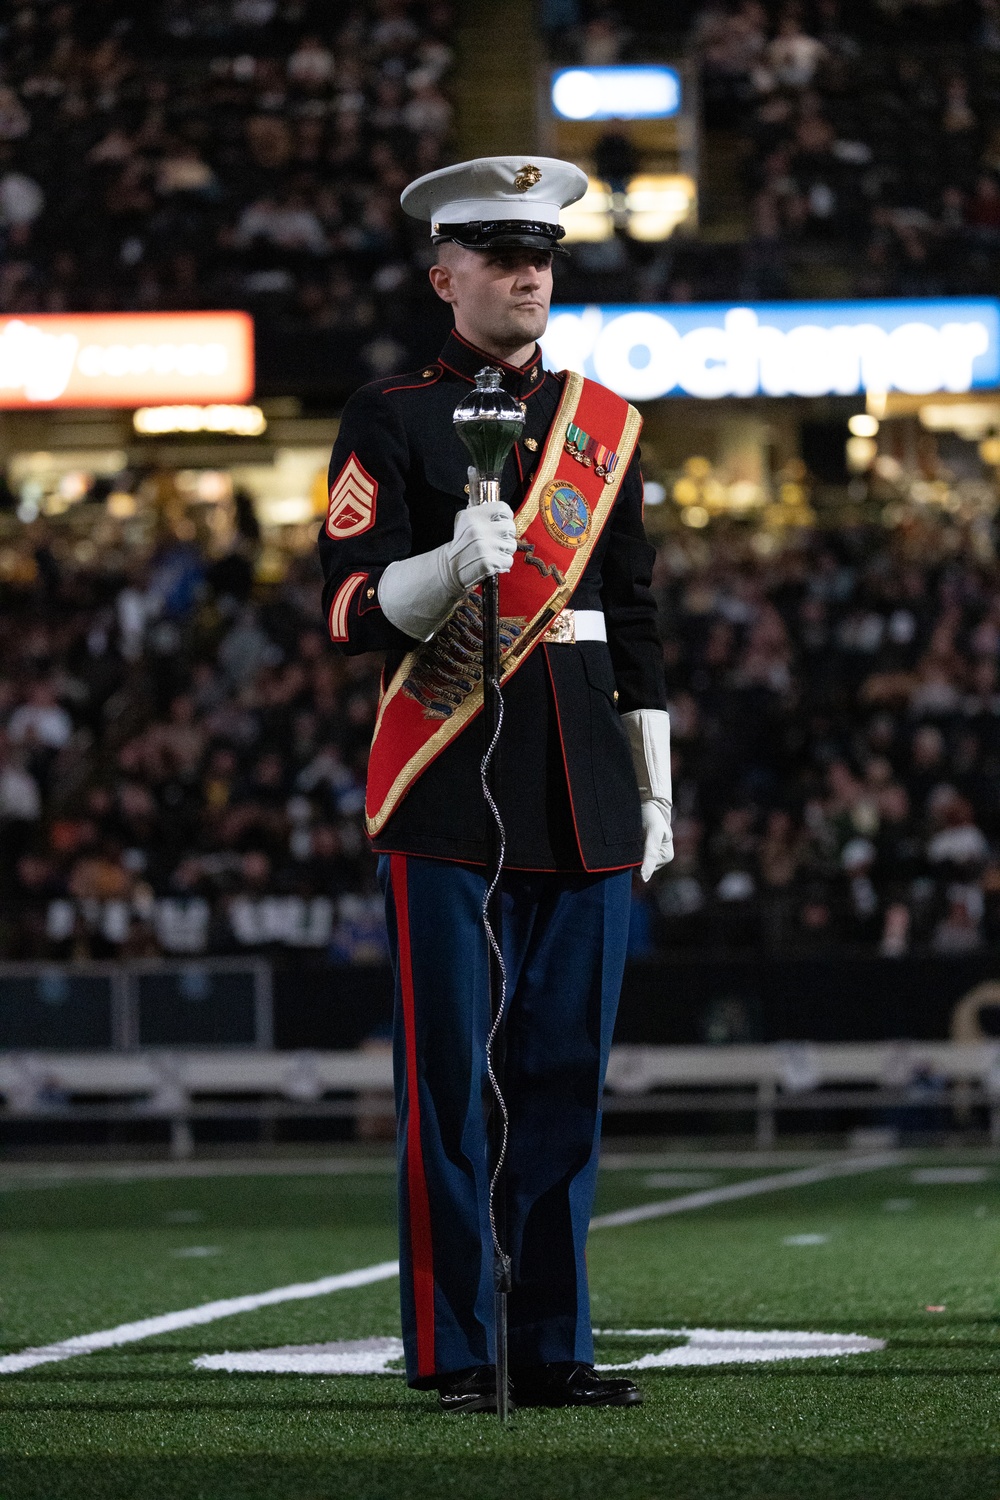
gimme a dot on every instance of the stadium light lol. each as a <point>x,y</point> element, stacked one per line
<point>653,207</point>
<point>616,93</point>
<point>781,348</point>
<point>862,425</point>
<point>969,419</point>
<point>240,421</point>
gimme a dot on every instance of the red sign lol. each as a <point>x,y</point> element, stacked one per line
<point>125,359</point>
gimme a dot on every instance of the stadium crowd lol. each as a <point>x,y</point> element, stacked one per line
<point>850,147</point>
<point>182,753</point>
<point>217,153</point>
<point>869,137</point>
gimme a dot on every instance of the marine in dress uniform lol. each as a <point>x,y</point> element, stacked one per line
<point>583,791</point>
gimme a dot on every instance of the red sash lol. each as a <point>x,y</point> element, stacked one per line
<point>437,688</point>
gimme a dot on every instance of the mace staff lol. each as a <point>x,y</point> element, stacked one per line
<point>489,422</point>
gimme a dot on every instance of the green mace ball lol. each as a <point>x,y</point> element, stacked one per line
<point>489,422</point>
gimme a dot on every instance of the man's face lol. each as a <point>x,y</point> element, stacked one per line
<point>501,297</point>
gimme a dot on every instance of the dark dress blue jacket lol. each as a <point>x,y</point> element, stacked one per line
<point>567,791</point>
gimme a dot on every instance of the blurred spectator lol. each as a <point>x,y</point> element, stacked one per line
<point>616,160</point>
<point>182,756</point>
<point>244,154</point>
<point>40,721</point>
<point>868,136</point>
<point>841,825</point>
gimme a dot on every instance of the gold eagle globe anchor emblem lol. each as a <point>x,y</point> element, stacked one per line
<point>527,177</point>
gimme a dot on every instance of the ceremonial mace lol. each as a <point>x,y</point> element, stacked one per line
<point>489,422</point>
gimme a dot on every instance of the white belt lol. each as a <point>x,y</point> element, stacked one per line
<point>572,625</point>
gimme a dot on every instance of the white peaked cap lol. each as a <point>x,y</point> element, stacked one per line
<point>528,189</point>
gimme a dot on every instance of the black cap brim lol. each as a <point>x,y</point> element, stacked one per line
<point>501,234</point>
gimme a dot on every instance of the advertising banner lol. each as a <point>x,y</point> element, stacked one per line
<point>125,359</point>
<point>710,350</point>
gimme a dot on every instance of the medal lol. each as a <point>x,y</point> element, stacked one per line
<point>589,452</point>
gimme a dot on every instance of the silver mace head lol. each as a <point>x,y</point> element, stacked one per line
<point>489,422</point>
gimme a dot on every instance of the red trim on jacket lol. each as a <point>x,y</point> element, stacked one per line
<point>493,358</point>
<point>471,379</point>
<point>418,386</point>
<point>535,388</point>
<point>473,864</point>
<point>340,606</point>
<point>562,747</point>
<point>421,1242</point>
<point>366,604</point>
<point>460,373</point>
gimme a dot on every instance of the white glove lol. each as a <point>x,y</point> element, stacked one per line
<point>648,731</point>
<point>417,594</point>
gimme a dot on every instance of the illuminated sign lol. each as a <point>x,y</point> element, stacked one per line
<point>780,348</point>
<point>628,93</point>
<point>125,359</point>
<point>243,421</point>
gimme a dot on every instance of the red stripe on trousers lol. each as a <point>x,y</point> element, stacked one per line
<point>421,1245</point>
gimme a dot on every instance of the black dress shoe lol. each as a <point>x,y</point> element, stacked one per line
<point>571,1384</point>
<point>469,1390</point>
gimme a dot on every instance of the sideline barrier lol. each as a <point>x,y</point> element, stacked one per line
<point>142,1003</point>
<point>181,1086</point>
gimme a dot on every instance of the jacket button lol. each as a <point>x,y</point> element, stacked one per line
<point>616,695</point>
<point>428,374</point>
<point>370,594</point>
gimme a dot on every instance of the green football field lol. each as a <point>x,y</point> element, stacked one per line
<point>830,1335</point>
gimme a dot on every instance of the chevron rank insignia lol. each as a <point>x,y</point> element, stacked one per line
<point>352,501</point>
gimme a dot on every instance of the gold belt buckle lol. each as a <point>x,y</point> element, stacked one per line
<point>562,631</point>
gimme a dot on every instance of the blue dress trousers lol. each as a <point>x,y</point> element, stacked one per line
<point>564,939</point>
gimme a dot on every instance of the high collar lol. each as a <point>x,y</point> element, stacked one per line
<point>464,359</point>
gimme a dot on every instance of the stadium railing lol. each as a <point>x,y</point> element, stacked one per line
<point>909,1085</point>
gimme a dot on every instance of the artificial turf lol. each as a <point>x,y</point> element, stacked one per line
<point>917,1420</point>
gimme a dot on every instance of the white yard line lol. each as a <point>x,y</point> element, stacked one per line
<point>210,1312</point>
<point>643,1161</point>
<point>152,1171</point>
<point>190,1317</point>
<point>804,1177</point>
<point>14,1177</point>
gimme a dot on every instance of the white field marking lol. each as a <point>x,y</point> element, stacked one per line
<point>852,1166</point>
<point>191,1317</point>
<point>680,1179</point>
<point>209,1312</point>
<point>728,1346</point>
<point>806,1239</point>
<point>196,1252</point>
<point>702,1346</point>
<point>14,1177</point>
<point>931,1176</point>
<point>643,1161</point>
<point>374,1356</point>
<point>151,1171</point>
